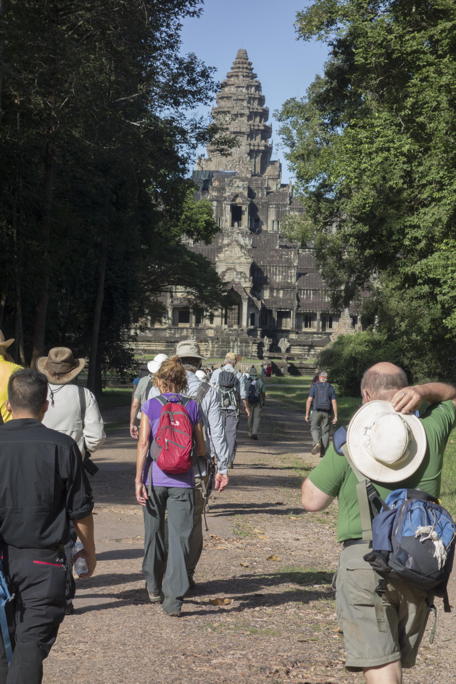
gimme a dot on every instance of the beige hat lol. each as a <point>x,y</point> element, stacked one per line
<point>4,344</point>
<point>384,445</point>
<point>189,349</point>
<point>60,366</point>
<point>154,364</point>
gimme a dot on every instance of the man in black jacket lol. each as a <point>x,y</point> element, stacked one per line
<point>42,487</point>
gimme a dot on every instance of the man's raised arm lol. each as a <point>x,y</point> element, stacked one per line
<point>408,399</point>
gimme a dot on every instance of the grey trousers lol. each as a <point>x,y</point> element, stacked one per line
<point>196,537</point>
<point>230,421</point>
<point>254,420</point>
<point>165,564</point>
<point>320,426</point>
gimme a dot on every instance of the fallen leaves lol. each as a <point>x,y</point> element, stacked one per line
<point>220,601</point>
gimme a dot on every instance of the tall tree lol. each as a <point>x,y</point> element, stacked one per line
<point>374,148</point>
<point>97,132</point>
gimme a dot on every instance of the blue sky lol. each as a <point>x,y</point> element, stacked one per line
<point>265,28</point>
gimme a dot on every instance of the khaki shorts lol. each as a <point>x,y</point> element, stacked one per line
<point>378,629</point>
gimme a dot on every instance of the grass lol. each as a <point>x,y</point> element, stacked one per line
<point>294,390</point>
<point>114,397</point>
<point>448,492</point>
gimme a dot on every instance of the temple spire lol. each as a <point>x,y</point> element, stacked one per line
<point>241,113</point>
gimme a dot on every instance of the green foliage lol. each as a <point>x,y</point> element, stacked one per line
<point>97,134</point>
<point>373,147</point>
<point>350,355</point>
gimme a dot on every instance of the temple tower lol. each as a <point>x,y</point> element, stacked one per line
<point>275,296</point>
<point>240,113</point>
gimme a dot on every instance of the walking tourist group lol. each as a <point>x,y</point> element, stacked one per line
<point>397,542</point>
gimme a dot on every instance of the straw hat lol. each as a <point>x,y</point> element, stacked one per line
<point>188,349</point>
<point>4,344</point>
<point>384,445</point>
<point>60,366</point>
<point>154,364</point>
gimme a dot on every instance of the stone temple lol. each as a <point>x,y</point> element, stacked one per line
<point>277,300</point>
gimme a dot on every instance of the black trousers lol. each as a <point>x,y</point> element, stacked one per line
<point>37,577</point>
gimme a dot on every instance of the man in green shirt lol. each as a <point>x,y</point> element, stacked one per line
<point>382,633</point>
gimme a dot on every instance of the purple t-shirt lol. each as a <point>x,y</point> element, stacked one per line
<point>154,475</point>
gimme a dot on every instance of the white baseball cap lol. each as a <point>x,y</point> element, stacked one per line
<point>153,366</point>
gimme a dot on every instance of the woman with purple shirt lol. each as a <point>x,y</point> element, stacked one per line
<point>165,567</point>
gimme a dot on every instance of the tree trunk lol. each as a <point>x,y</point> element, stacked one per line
<point>39,331</point>
<point>94,374</point>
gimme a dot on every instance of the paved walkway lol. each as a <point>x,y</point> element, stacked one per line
<point>264,610</point>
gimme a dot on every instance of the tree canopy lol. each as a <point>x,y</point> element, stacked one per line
<point>373,145</point>
<point>97,131</point>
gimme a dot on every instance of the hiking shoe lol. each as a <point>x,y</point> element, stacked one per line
<point>316,448</point>
<point>172,613</point>
<point>154,597</point>
<point>69,608</point>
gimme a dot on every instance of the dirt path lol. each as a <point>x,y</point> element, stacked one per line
<point>264,609</point>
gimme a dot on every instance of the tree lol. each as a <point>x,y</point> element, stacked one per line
<point>97,133</point>
<point>373,147</point>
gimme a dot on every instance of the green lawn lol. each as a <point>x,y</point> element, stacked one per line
<point>294,390</point>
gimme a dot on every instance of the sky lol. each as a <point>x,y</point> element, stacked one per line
<point>284,65</point>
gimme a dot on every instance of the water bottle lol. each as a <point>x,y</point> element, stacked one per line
<point>80,564</point>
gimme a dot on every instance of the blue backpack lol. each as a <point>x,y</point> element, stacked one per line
<point>412,535</point>
<point>413,539</point>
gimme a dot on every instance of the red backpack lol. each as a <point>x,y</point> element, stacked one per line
<point>173,442</point>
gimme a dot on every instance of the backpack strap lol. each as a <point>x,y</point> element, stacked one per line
<point>82,403</point>
<point>369,501</point>
<point>203,389</point>
<point>4,628</point>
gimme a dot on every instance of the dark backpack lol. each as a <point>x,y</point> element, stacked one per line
<point>321,400</point>
<point>228,393</point>
<point>172,446</point>
<point>413,539</point>
<point>253,396</point>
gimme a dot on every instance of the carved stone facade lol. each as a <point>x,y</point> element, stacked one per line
<point>277,297</point>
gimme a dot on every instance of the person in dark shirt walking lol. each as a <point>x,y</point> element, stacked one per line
<point>322,401</point>
<point>42,487</point>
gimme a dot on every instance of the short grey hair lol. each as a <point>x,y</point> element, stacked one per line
<point>378,383</point>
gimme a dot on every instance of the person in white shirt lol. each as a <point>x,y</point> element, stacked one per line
<point>232,394</point>
<point>144,390</point>
<point>72,410</point>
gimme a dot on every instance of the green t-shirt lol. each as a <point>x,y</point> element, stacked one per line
<point>334,477</point>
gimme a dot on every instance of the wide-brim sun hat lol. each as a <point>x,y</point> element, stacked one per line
<point>154,364</point>
<point>384,445</point>
<point>188,349</point>
<point>60,366</point>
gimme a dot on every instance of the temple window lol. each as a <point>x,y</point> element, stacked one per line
<point>284,320</point>
<point>181,316</point>
<point>236,215</point>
